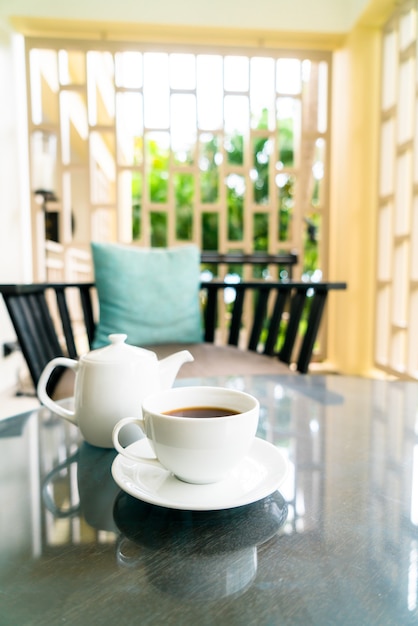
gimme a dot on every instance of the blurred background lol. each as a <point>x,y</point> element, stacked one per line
<point>272,127</point>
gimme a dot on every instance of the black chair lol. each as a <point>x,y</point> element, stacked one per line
<point>43,318</point>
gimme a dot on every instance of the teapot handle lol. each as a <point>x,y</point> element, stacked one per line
<point>43,396</point>
<point>46,490</point>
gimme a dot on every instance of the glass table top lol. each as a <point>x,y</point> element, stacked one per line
<point>337,544</point>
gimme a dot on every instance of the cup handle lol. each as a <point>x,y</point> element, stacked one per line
<point>43,396</point>
<point>125,559</point>
<point>124,451</point>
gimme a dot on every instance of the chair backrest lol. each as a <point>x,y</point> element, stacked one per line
<point>44,326</point>
<point>285,316</point>
<point>278,318</point>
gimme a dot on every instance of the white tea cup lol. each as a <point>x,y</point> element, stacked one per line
<point>198,433</point>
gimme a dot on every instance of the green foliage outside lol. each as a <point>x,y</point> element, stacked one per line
<point>185,193</point>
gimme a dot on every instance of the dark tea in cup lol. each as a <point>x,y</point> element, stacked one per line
<point>201,411</point>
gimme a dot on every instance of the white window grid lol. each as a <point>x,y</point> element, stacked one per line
<point>78,110</point>
<point>396,327</point>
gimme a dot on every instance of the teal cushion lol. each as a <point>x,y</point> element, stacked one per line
<point>150,294</point>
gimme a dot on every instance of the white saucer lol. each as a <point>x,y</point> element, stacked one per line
<point>257,476</point>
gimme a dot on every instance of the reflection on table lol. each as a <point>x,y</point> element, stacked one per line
<point>337,545</point>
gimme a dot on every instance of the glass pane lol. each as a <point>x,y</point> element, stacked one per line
<point>235,201</point>
<point>403,194</point>
<point>289,124</point>
<point>183,128</point>
<point>236,73</point>
<point>262,149</point>
<point>288,76</point>
<point>314,96</point>
<point>384,258</point>
<point>104,225</point>
<point>44,161</point>
<point>130,203</point>
<point>262,93</point>
<point>285,184</point>
<point>406,100</point>
<point>389,72</point>
<point>234,148</point>
<point>387,156</point>
<point>129,128</point>
<point>236,124</point>
<point>407,28</point>
<point>322,97</point>
<point>236,114</point>
<point>415,141</point>
<point>209,161</point>
<point>128,69</point>
<point>158,229</point>
<point>157,146</point>
<point>76,206</point>
<point>261,231</point>
<point>72,67</point>
<point>382,334</point>
<point>44,86</point>
<point>156,92</point>
<point>182,71</point>
<point>210,231</point>
<point>74,128</point>
<point>414,241</point>
<point>184,193</point>
<point>310,244</point>
<point>103,170</point>
<point>137,185</point>
<point>317,173</point>
<point>398,347</point>
<point>100,86</point>
<point>209,92</point>
<point>400,287</point>
<point>412,366</point>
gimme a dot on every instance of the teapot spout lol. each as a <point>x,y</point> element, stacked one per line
<point>170,365</point>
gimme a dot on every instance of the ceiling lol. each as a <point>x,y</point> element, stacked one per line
<point>322,16</point>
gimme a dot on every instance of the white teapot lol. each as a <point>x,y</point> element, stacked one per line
<point>110,383</point>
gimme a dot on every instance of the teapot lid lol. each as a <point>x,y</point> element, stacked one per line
<point>118,351</point>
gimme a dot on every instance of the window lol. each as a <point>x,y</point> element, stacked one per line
<point>227,149</point>
<point>397,260</point>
